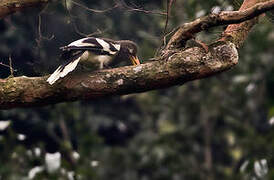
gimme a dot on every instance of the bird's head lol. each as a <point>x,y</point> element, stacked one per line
<point>129,51</point>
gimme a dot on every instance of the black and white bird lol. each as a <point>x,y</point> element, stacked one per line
<point>96,53</point>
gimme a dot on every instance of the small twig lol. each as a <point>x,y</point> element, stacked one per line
<point>94,10</point>
<point>41,37</point>
<point>10,64</point>
<point>97,32</point>
<point>4,65</point>
<point>168,34</point>
<point>164,40</point>
<point>164,36</point>
<point>76,29</point>
<point>40,34</point>
<point>129,8</point>
<point>118,3</point>
<point>169,5</point>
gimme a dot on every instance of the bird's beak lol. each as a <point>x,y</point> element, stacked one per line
<point>135,61</point>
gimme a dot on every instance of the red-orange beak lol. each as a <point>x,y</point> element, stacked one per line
<point>135,61</point>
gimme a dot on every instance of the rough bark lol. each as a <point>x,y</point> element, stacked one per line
<point>180,67</point>
<point>237,33</point>
<point>246,12</point>
<point>10,6</point>
<point>176,66</point>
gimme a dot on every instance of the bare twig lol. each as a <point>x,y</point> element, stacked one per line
<point>5,65</point>
<point>169,5</point>
<point>164,36</point>
<point>97,32</point>
<point>11,69</point>
<point>9,66</point>
<point>136,9</point>
<point>118,3</point>
<point>94,10</point>
<point>41,37</point>
<point>76,29</point>
<point>40,34</point>
<point>164,41</point>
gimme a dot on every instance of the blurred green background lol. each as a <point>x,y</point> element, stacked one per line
<point>219,127</point>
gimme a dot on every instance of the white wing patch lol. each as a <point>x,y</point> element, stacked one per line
<point>70,67</point>
<point>105,46</point>
<point>54,76</point>
<point>80,43</point>
<point>117,46</point>
<point>61,72</point>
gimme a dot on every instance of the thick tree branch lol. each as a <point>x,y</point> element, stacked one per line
<point>180,67</point>
<point>10,6</point>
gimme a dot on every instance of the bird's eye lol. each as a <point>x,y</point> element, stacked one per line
<point>130,50</point>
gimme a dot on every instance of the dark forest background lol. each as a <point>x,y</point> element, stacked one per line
<point>215,128</point>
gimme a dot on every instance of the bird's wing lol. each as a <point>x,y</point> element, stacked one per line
<point>95,45</point>
<point>66,67</point>
<point>71,54</point>
<point>62,71</point>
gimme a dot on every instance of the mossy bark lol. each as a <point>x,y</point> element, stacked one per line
<point>178,68</point>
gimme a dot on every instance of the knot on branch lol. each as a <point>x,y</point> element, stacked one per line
<point>225,51</point>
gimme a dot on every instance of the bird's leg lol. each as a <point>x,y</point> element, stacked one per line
<point>101,64</point>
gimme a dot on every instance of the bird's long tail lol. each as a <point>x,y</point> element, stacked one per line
<point>63,70</point>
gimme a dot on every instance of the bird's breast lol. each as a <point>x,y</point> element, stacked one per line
<point>92,60</point>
